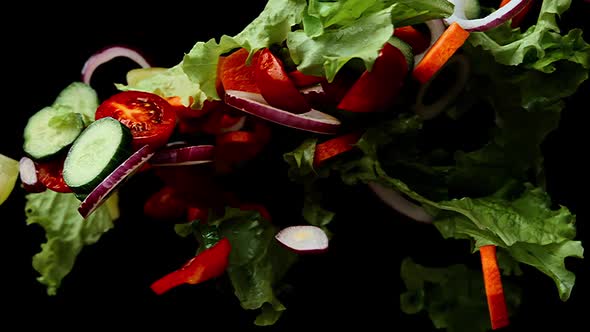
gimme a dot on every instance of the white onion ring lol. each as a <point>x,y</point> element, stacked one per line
<point>428,112</point>
<point>108,54</point>
<point>436,28</point>
<point>399,203</point>
<point>493,20</point>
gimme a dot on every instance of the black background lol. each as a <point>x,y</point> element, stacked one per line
<point>355,284</point>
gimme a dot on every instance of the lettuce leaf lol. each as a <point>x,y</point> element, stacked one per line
<point>66,232</point>
<point>453,296</point>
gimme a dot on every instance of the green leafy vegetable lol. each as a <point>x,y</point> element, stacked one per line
<point>66,232</point>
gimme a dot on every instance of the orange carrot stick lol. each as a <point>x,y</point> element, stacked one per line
<point>441,51</point>
<point>493,286</point>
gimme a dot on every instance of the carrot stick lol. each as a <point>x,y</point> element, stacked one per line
<point>441,51</point>
<point>493,286</point>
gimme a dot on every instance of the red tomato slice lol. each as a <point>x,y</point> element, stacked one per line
<point>150,117</point>
<point>276,86</point>
<point>50,174</point>
<point>166,204</point>
<point>236,74</point>
<point>376,90</point>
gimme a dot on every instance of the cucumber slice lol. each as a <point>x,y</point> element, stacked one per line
<point>101,147</point>
<point>406,50</point>
<point>50,131</point>
<point>81,98</point>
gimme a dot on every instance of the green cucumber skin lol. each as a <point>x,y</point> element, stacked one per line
<point>123,152</point>
<point>405,48</point>
<point>31,134</point>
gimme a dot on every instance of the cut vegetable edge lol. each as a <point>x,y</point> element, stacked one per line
<point>108,54</point>
<point>105,188</point>
<point>254,104</point>
<point>99,149</point>
<point>396,201</point>
<point>185,155</point>
<point>303,239</point>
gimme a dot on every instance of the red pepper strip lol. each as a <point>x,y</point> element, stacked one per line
<point>166,204</point>
<point>219,120</point>
<point>276,86</point>
<point>210,263</point>
<point>302,80</point>
<point>334,147</point>
<point>236,74</point>
<point>376,90</point>
<point>493,286</point>
<point>197,213</point>
<point>418,40</point>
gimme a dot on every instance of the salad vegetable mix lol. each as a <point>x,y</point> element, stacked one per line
<point>308,135</point>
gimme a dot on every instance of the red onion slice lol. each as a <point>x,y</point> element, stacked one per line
<point>436,28</point>
<point>396,201</point>
<point>254,104</point>
<point>114,180</point>
<point>235,127</point>
<point>28,176</point>
<point>107,55</point>
<point>430,111</point>
<point>303,239</point>
<point>493,20</point>
<point>187,155</point>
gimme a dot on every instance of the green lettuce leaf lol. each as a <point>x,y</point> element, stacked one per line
<point>257,263</point>
<point>66,232</point>
<point>454,296</point>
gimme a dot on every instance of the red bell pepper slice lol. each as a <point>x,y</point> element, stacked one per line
<point>418,40</point>
<point>302,80</point>
<point>333,147</point>
<point>376,90</point>
<point>236,74</point>
<point>276,86</point>
<point>166,204</point>
<point>210,263</point>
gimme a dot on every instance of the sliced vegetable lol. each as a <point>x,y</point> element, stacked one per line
<point>519,17</point>
<point>417,39</point>
<point>166,204</point>
<point>136,75</point>
<point>237,74</point>
<point>150,117</point>
<point>185,155</point>
<point>436,29</point>
<point>254,104</point>
<point>51,131</point>
<point>9,169</point>
<point>275,85</point>
<point>377,89</point>
<point>457,67</point>
<point>435,58</point>
<point>493,285</point>
<point>197,213</point>
<point>51,174</point>
<point>110,183</point>
<point>237,146</point>
<point>108,54</point>
<point>80,98</point>
<point>99,150</point>
<point>208,264</point>
<point>223,120</point>
<point>492,20</point>
<point>29,176</point>
<point>303,239</point>
<point>334,146</point>
<point>396,201</point>
<point>302,80</point>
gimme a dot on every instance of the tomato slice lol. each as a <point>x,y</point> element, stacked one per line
<point>50,174</point>
<point>151,118</point>
<point>236,74</point>
<point>276,86</point>
<point>376,90</point>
